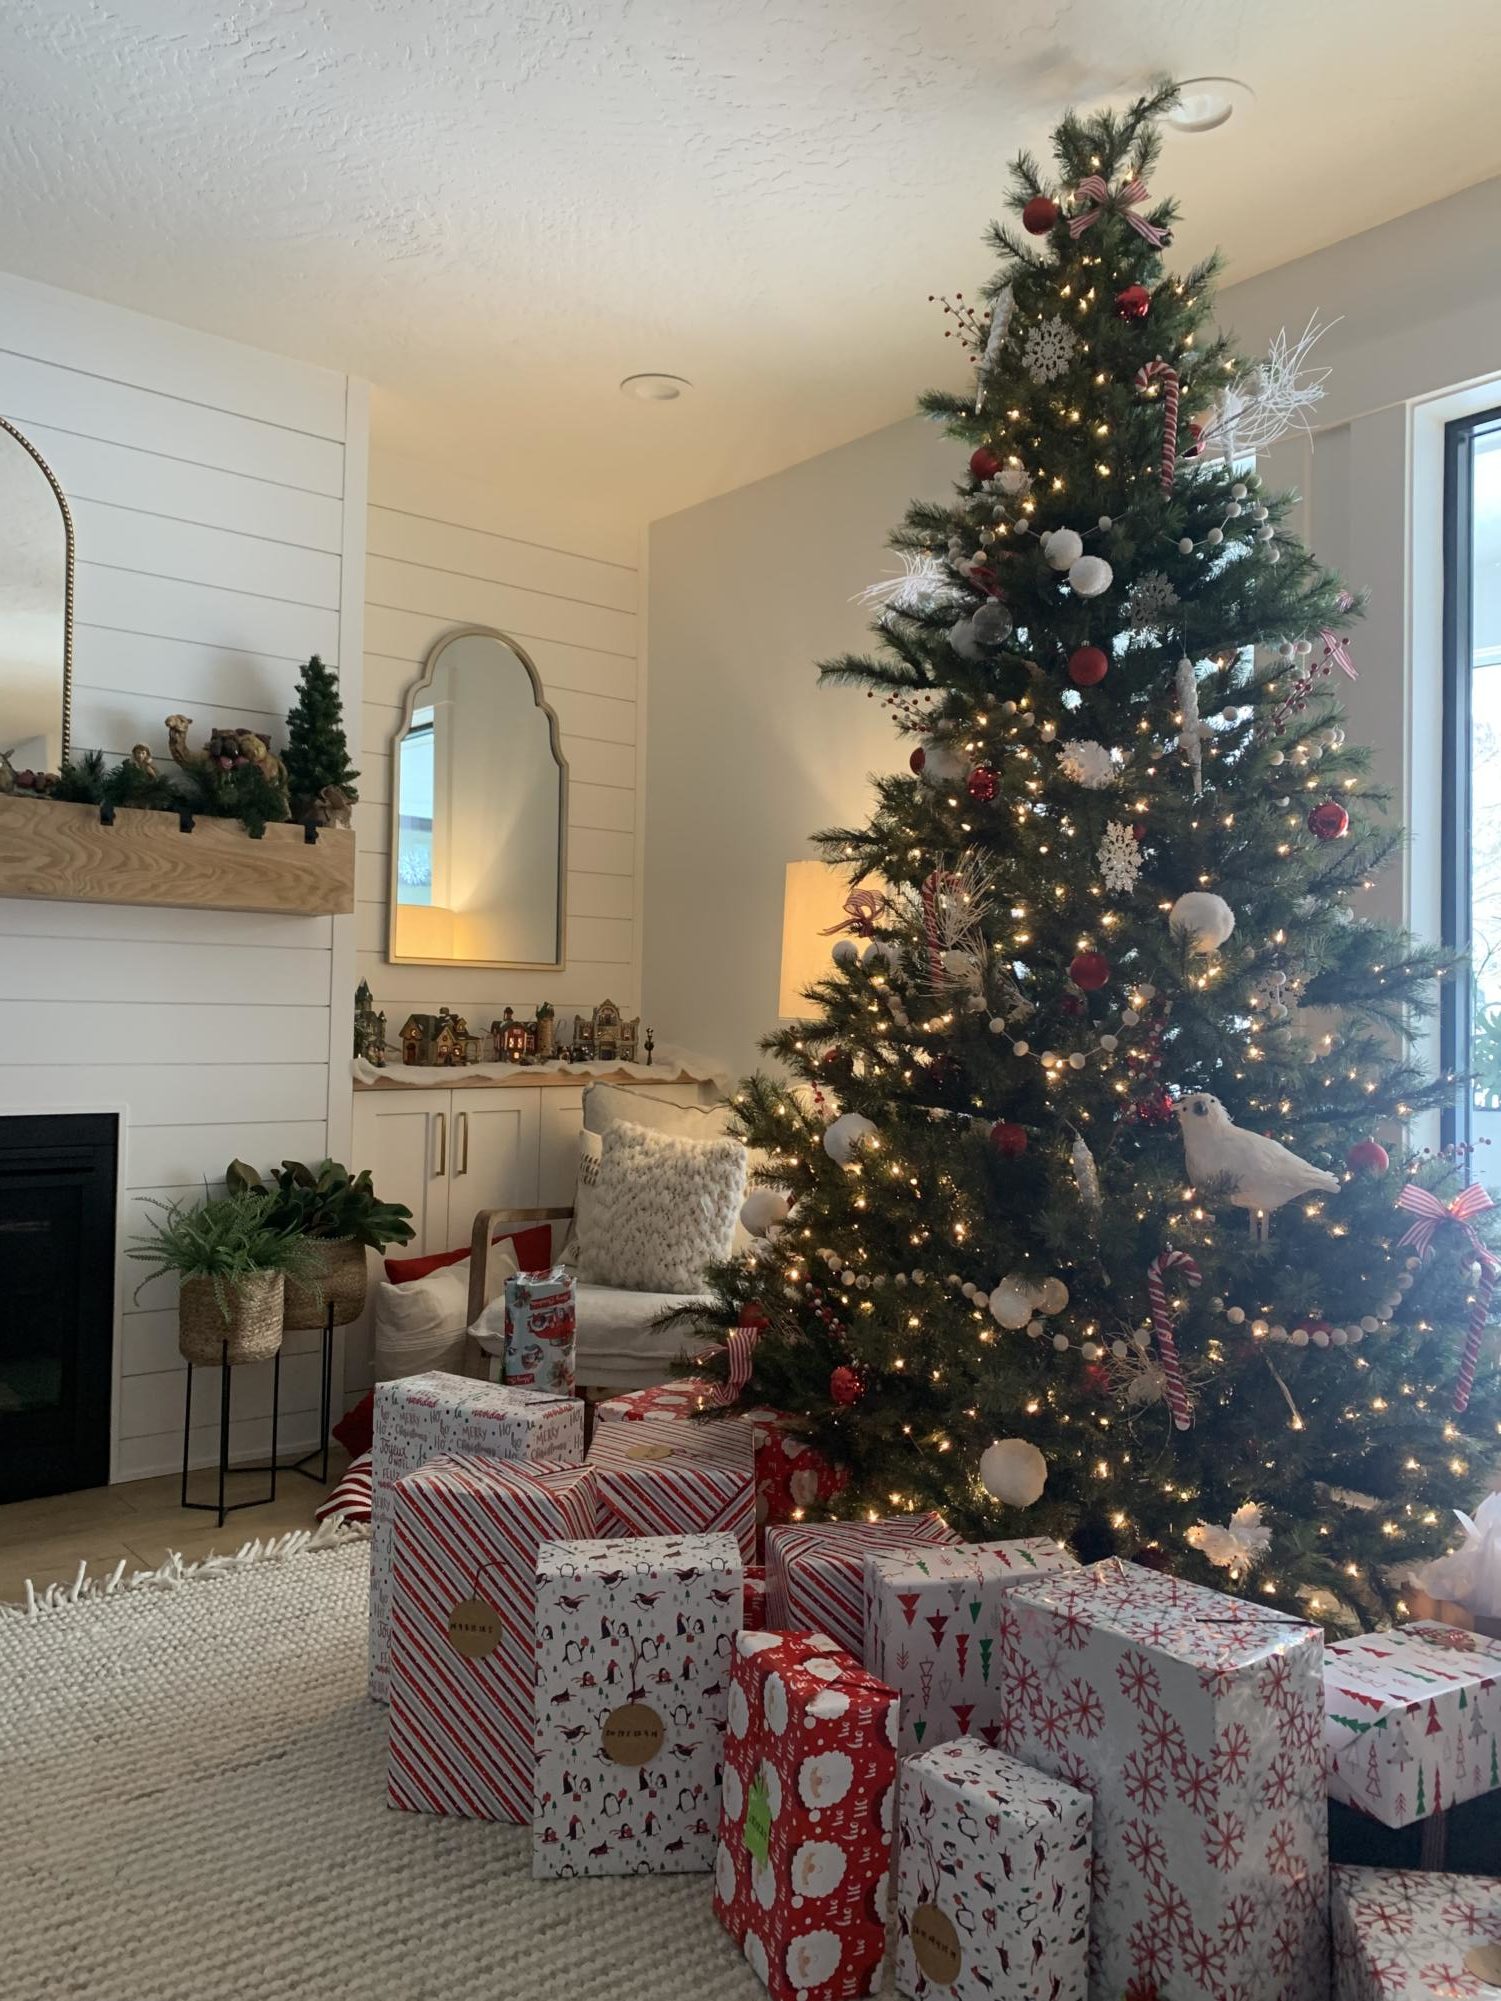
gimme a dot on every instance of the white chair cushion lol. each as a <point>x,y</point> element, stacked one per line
<point>618,1347</point>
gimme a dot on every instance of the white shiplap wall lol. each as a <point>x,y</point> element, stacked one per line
<point>444,553</point>
<point>218,495</point>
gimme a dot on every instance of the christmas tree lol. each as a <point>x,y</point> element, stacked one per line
<point>1071,1219</point>
<point>317,753</point>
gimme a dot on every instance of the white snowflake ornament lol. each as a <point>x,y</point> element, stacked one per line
<point>1049,350</point>
<point>1086,763</point>
<point>1119,858</point>
<point>1150,602</point>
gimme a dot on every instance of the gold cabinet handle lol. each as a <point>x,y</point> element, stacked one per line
<point>442,1167</point>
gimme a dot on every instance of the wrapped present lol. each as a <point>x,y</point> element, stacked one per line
<point>635,1644</point>
<point>419,1417</point>
<point>993,1887</point>
<point>815,1572</point>
<point>679,1399</point>
<point>802,1875</point>
<point>1401,1935</point>
<point>663,1476</point>
<point>755,1597</point>
<point>930,1631</point>
<point>1197,1721</point>
<point>463,1670</point>
<point>1413,1720</point>
<point>540,1331</point>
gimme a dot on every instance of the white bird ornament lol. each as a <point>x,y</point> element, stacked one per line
<point>1265,1173</point>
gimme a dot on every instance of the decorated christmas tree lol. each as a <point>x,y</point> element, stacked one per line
<point>317,753</point>
<point>1071,1218</point>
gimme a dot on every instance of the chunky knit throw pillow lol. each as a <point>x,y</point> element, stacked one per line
<point>662,1209</point>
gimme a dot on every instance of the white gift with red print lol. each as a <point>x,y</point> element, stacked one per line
<point>1196,1720</point>
<point>1404,1936</point>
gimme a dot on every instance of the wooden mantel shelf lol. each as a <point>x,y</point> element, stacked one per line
<point>65,854</point>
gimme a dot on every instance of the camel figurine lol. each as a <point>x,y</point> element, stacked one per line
<point>177,743</point>
<point>226,749</point>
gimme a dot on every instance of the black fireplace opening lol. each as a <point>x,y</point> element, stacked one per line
<point>57,1300</point>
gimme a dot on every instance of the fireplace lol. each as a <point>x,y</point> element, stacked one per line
<point>57,1300</point>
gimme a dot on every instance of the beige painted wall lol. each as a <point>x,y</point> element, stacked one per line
<point>746,754</point>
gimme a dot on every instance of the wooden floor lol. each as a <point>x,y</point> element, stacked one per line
<point>143,1522</point>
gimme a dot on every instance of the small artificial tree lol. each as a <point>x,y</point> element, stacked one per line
<point>317,752</point>
<point>1081,1230</point>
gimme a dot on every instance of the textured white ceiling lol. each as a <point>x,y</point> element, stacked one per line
<point>495,209</point>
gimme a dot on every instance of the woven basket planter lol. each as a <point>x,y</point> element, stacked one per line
<point>341,1283</point>
<point>252,1332</point>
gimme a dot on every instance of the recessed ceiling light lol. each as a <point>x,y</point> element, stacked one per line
<point>1207,102</point>
<point>655,388</point>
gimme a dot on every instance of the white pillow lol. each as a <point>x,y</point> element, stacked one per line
<point>421,1324</point>
<point>664,1208</point>
<point>608,1104</point>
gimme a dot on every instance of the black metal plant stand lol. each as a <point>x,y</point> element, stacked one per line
<point>325,1411</point>
<point>226,1376</point>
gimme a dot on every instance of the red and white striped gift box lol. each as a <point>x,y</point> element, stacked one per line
<point>664,1476</point>
<point>463,1660</point>
<point>815,1572</point>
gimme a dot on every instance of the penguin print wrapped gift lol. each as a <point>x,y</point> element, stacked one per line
<point>634,1645</point>
<point>1414,1720</point>
<point>463,1671</point>
<point>802,1874</point>
<point>993,1889</point>
<point>419,1417</point>
<point>1197,1722</point>
<point>815,1572</point>
<point>931,1617</point>
<point>663,1476</point>
<point>1405,1935</point>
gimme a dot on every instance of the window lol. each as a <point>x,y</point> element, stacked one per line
<point>1471,1026</point>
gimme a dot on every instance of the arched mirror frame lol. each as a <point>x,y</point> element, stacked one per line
<point>61,498</point>
<point>421,686</point>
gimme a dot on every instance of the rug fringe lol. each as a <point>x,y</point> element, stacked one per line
<point>85,1590</point>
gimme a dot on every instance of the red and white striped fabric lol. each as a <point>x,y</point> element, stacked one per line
<point>350,1500</point>
<point>463,1659</point>
<point>815,1573</point>
<point>664,1476</point>
<point>678,1399</point>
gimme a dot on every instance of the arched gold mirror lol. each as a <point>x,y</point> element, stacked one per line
<point>479,812</point>
<point>36,608</point>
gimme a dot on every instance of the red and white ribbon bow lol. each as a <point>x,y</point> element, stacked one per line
<point>1178,1401</point>
<point>1431,1213</point>
<point>1336,650</point>
<point>741,1349</point>
<point>1124,203</point>
<point>862,908</point>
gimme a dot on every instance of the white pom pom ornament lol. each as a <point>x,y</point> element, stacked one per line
<point>1090,575</point>
<point>846,952</point>
<point>1014,1472</point>
<point>941,765</point>
<point>763,1209</point>
<point>1062,547</point>
<point>1204,919</point>
<point>845,1134</point>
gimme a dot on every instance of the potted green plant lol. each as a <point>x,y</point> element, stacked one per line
<point>234,1260</point>
<point>340,1216</point>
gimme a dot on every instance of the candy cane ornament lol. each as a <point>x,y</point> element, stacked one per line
<point>1178,1401</point>
<point>1163,371</point>
<point>933,887</point>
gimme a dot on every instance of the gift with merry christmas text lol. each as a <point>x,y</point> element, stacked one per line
<point>634,1647</point>
<point>1405,1935</point>
<point>993,1886</point>
<point>930,1631</point>
<point>1414,1719</point>
<point>462,1665</point>
<point>1196,1720</point>
<point>663,1476</point>
<point>802,1872</point>
<point>815,1571</point>
<point>418,1417</point>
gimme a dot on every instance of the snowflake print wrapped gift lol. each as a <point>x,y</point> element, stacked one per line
<point>802,1875</point>
<point>635,1642</point>
<point>1402,1936</point>
<point>1414,1719</point>
<point>420,1417</point>
<point>993,1890</point>
<point>1197,1722</point>
<point>930,1631</point>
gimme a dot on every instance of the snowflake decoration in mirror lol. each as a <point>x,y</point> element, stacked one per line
<point>1263,405</point>
<point>1049,350</point>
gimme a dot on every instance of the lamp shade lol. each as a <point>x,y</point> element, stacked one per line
<point>812,906</point>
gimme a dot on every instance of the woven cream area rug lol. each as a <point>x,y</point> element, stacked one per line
<point>192,1808</point>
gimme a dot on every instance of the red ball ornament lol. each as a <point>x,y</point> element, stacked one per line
<point>1134,303</point>
<point>1329,821</point>
<point>1039,215</point>
<point>983,463</point>
<point>983,783</point>
<point>1089,970</point>
<point>845,1386</point>
<point>1008,1139</point>
<point>1368,1156</point>
<point>1087,667</point>
<point>917,760</point>
<point>1154,1109</point>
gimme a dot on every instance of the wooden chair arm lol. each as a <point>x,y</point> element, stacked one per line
<point>488,1224</point>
